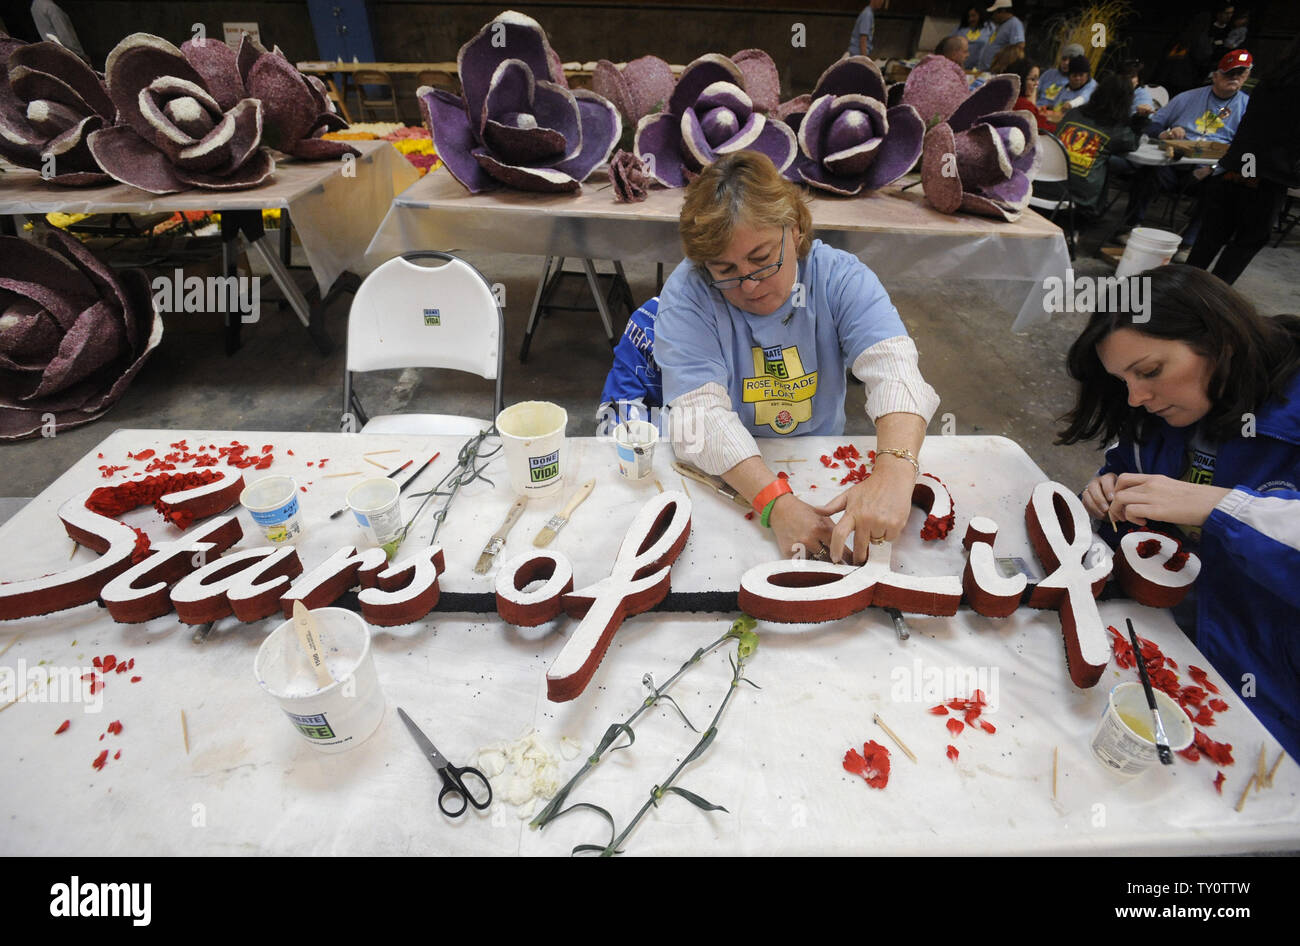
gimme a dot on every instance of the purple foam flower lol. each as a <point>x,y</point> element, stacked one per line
<point>629,177</point>
<point>983,157</point>
<point>518,124</point>
<point>50,104</point>
<point>709,114</point>
<point>935,88</point>
<point>849,141</point>
<point>641,87</point>
<point>73,333</point>
<point>174,133</point>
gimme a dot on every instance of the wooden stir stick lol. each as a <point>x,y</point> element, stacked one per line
<point>307,637</point>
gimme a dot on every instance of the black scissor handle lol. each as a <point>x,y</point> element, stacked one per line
<point>453,783</point>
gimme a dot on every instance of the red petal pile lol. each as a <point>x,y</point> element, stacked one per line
<point>872,764</point>
<point>1161,670</point>
<point>971,710</point>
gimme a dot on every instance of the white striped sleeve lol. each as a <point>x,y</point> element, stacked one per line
<point>893,379</point>
<point>707,433</point>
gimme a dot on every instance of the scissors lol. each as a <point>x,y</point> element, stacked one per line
<point>452,781</point>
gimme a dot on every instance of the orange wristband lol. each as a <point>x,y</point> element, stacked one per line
<point>778,487</point>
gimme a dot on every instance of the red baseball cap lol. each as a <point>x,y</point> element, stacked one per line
<point>1236,60</point>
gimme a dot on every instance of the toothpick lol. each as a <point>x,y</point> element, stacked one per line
<point>12,641</point>
<point>660,485</point>
<point>330,476</point>
<point>1241,802</point>
<point>891,734</point>
<point>375,462</point>
<point>1056,761</point>
<point>1273,771</point>
<point>375,453</point>
<point>791,460</point>
<point>1261,768</point>
<point>16,699</point>
<point>185,731</point>
<point>684,489</point>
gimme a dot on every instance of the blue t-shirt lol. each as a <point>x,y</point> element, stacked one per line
<point>1066,94</point>
<point>1141,96</point>
<point>863,26</point>
<point>1008,34</point>
<point>634,378</point>
<point>1202,114</point>
<point>784,372</point>
<point>976,40</point>
<point>1050,84</point>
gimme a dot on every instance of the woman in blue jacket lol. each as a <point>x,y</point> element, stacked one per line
<point>1203,395</point>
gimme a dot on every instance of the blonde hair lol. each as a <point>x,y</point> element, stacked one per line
<point>740,188</point>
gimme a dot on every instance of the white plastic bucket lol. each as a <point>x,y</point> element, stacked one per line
<point>635,440</point>
<point>1126,752</point>
<point>346,712</point>
<point>272,501</point>
<point>1147,248</point>
<point>375,502</point>
<point>532,438</point>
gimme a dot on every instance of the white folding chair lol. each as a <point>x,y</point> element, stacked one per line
<point>406,315</point>
<point>1055,168</point>
<point>1159,95</point>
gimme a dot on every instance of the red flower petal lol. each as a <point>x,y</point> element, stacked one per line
<point>1218,706</point>
<point>100,759</point>
<point>1201,677</point>
<point>939,710</point>
<point>136,679</point>
<point>955,726</point>
<point>1218,752</point>
<point>117,754</point>
<point>953,753</point>
<point>115,727</point>
<point>63,727</point>
<point>958,705</point>
<point>987,726</point>
<point>1191,753</point>
<point>109,663</point>
<point>1218,783</point>
<point>854,763</point>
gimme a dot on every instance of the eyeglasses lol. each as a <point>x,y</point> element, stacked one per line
<point>758,275</point>
<point>1234,73</point>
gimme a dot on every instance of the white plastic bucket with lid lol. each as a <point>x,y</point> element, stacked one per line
<point>1147,248</point>
<point>337,717</point>
<point>635,442</point>
<point>1126,752</point>
<point>532,438</point>
<point>376,504</point>
<point>272,501</point>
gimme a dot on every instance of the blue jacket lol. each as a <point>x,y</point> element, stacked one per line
<point>1248,592</point>
<point>634,383</point>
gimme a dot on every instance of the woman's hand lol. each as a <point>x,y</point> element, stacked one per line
<point>1142,496</point>
<point>800,529</point>
<point>1175,133</point>
<point>1098,494</point>
<point>876,508</point>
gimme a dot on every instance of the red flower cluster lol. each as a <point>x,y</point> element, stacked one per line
<point>971,710</point>
<point>872,764</point>
<point>1149,547</point>
<point>1161,670</point>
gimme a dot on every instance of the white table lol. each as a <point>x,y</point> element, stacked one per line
<point>1150,153</point>
<point>335,206</point>
<point>249,784</point>
<point>894,232</point>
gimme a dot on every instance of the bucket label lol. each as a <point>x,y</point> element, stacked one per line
<point>541,469</point>
<point>313,727</point>
<point>275,516</point>
<point>432,317</point>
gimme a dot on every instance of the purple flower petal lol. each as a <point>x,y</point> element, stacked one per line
<point>92,342</point>
<point>815,175</point>
<point>812,129</point>
<point>524,144</point>
<point>218,64</point>
<point>510,36</point>
<point>658,145</point>
<point>940,179</point>
<point>510,93</point>
<point>607,80</point>
<point>556,107</point>
<point>996,95</point>
<point>719,125</point>
<point>251,173</point>
<point>935,88</point>
<point>320,149</point>
<point>650,82</point>
<point>900,150</point>
<point>977,204</point>
<point>854,161</point>
<point>1014,191</point>
<point>544,180</point>
<point>856,75</point>
<point>289,107</point>
<point>55,60</point>
<point>982,157</point>
<point>762,81</point>
<point>128,158</point>
<point>698,76</point>
<point>696,149</point>
<point>229,144</point>
<point>854,120</point>
<point>135,64</point>
<point>48,279</point>
<point>724,95</point>
<point>774,139</point>
<point>894,94</point>
<point>175,113</point>
<point>795,106</point>
<point>33,85</point>
<point>453,138</point>
<point>601,128</point>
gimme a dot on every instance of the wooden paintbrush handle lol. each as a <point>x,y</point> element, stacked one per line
<point>583,492</point>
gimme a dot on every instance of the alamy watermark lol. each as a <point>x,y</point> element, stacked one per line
<point>227,294</point>
<point>43,683</point>
<point>919,683</point>
<point>1131,294</point>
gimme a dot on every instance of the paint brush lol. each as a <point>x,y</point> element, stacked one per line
<point>338,512</point>
<point>412,478</point>
<point>1162,741</point>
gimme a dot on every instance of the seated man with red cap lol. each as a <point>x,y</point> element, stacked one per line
<point>1210,113</point>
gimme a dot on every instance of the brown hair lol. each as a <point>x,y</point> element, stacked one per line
<point>1254,356</point>
<point>741,188</point>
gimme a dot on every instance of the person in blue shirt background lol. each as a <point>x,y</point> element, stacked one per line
<point>634,389</point>
<point>1210,113</point>
<point>1144,103</point>
<point>1051,82</point>
<point>1010,32</point>
<point>862,39</point>
<point>1079,87</point>
<point>977,32</point>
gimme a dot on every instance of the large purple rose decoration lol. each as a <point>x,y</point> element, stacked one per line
<point>983,158</point>
<point>709,114</point>
<point>296,110</point>
<point>175,134</point>
<point>849,141</point>
<point>73,333</point>
<point>50,103</point>
<point>518,124</point>
<point>935,88</point>
<point>640,88</point>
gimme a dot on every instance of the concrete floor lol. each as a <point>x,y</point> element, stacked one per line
<point>991,381</point>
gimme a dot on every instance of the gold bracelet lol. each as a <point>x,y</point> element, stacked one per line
<point>902,455</point>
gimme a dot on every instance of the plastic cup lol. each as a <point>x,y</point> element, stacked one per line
<point>1147,248</point>
<point>376,503</point>
<point>341,715</point>
<point>532,438</point>
<point>1124,738</point>
<point>272,501</point>
<point>634,441</point>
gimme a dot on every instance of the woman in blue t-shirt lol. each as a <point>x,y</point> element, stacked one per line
<point>755,331</point>
<point>977,31</point>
